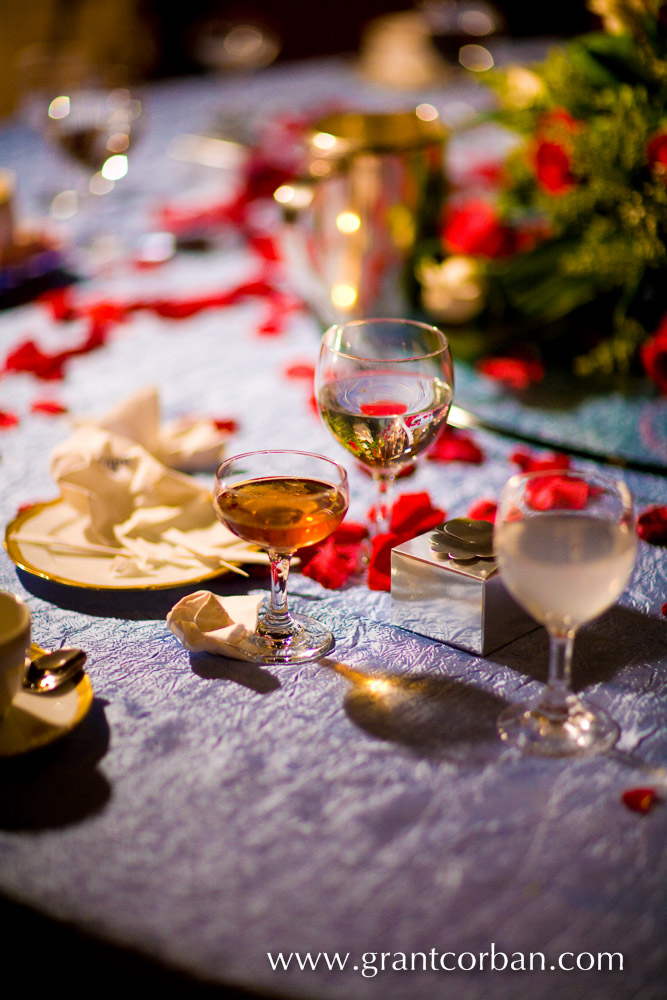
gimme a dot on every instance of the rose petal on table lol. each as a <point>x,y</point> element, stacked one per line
<point>8,420</point>
<point>350,532</point>
<point>531,463</point>
<point>652,525</point>
<point>379,564</point>
<point>455,446</point>
<point>50,407</point>
<point>59,303</point>
<point>332,565</point>
<point>483,510</point>
<point>265,246</point>
<point>413,513</point>
<point>222,424</point>
<point>300,369</point>
<point>640,799</point>
<point>29,357</point>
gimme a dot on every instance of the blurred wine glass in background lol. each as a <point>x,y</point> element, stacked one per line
<point>91,116</point>
<point>459,28</point>
<point>236,43</point>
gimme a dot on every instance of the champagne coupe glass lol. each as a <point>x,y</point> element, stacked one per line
<point>384,388</point>
<point>565,545</point>
<point>282,501</point>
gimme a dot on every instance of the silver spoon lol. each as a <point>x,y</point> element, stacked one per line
<point>49,671</point>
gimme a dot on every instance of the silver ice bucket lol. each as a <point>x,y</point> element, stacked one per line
<point>373,188</point>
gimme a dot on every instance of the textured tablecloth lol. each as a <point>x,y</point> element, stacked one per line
<point>215,815</point>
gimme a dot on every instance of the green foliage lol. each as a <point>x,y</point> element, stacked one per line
<point>608,228</point>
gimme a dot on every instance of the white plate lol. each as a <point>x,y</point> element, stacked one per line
<point>57,519</point>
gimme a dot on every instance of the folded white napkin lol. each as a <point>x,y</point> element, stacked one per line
<point>188,444</point>
<point>203,622</point>
<point>125,501</point>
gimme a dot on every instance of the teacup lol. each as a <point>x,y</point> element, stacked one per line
<point>14,642</point>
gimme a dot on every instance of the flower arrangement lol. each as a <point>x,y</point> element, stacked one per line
<point>563,246</point>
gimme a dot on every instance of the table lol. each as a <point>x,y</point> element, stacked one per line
<point>207,816</point>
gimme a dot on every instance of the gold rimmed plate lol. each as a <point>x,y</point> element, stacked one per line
<point>56,520</point>
<point>35,720</point>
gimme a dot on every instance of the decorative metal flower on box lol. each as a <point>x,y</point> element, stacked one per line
<point>564,244</point>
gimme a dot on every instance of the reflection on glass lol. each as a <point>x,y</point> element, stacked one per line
<point>383,389</point>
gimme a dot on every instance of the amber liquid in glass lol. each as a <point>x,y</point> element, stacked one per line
<point>282,513</point>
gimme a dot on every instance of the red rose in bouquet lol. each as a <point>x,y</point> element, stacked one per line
<point>656,154</point>
<point>653,354</point>
<point>474,227</point>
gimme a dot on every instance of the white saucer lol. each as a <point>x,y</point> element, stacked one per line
<point>33,720</point>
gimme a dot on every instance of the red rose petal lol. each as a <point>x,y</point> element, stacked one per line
<point>379,565</point>
<point>413,513</point>
<point>455,446</point>
<point>530,463</point>
<point>50,407</point>
<point>331,566</point>
<point>266,246</point>
<point>105,311</point>
<point>59,302</point>
<point>28,357</point>
<point>332,562</point>
<point>300,369</point>
<point>640,799</point>
<point>350,532</point>
<point>483,510</point>
<point>8,420</point>
<point>229,425</point>
<point>652,525</point>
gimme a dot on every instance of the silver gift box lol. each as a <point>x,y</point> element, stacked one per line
<point>465,605</point>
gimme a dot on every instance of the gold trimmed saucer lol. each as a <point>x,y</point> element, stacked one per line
<point>89,571</point>
<point>34,720</point>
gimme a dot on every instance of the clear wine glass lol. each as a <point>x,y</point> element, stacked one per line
<point>282,501</point>
<point>384,388</point>
<point>90,114</point>
<point>565,545</point>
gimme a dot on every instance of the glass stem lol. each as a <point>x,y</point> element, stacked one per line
<point>555,699</point>
<point>277,622</point>
<point>380,523</point>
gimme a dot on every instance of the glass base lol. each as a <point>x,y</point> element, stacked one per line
<point>307,639</point>
<point>539,730</point>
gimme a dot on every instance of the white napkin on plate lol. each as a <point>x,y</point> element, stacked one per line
<point>126,501</point>
<point>188,444</point>
<point>205,623</point>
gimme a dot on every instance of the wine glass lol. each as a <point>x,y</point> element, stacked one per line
<point>92,117</point>
<point>565,545</point>
<point>282,501</point>
<point>384,388</point>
